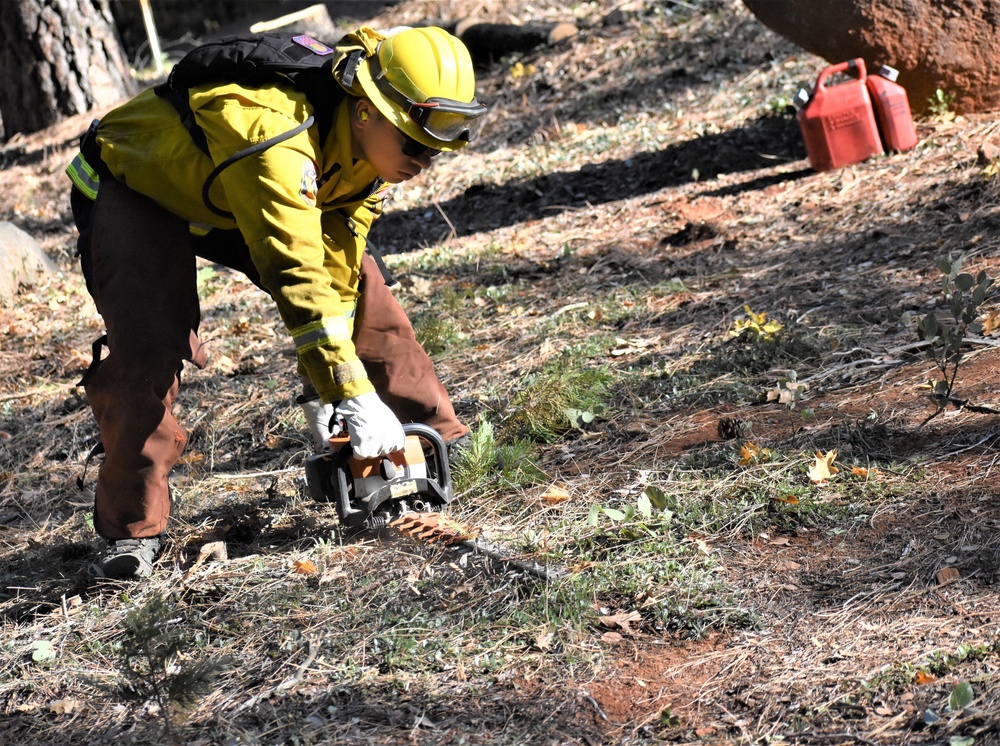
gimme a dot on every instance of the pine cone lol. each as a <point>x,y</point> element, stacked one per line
<point>733,427</point>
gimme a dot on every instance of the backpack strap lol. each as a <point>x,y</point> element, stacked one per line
<point>240,155</point>
<point>294,62</point>
<point>178,98</point>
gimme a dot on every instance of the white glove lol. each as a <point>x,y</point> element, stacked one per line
<point>318,416</point>
<point>374,429</point>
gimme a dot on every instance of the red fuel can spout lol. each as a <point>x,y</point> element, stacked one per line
<point>892,110</point>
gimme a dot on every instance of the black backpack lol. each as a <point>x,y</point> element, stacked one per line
<point>255,60</point>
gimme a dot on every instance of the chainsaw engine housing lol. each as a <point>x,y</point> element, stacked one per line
<point>371,493</point>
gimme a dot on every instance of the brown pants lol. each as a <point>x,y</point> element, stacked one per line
<point>139,261</point>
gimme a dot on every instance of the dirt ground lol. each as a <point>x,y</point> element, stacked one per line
<point>726,206</point>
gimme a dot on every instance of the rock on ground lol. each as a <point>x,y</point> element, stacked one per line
<point>21,260</point>
<point>954,47</point>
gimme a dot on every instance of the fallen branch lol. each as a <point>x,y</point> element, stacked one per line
<point>490,41</point>
<point>942,403</point>
<point>892,358</point>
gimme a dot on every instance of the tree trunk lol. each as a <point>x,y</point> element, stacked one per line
<point>61,57</point>
<point>949,46</point>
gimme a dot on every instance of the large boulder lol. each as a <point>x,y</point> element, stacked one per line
<point>954,47</point>
<point>22,260</point>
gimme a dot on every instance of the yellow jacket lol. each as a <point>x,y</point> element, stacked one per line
<point>303,207</point>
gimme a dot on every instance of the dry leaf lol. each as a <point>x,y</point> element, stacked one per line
<point>555,494</point>
<point>948,575</point>
<point>628,346</point>
<point>645,600</point>
<point>786,566</point>
<point>420,286</point>
<point>621,620</point>
<point>991,323</point>
<point>305,567</point>
<point>611,638</point>
<point>883,711</point>
<point>703,546</point>
<point>544,641</point>
<point>223,364</point>
<point>780,541</point>
<point>64,706</point>
<point>922,677</point>
<point>749,453</point>
<point>859,472</point>
<point>789,499</point>
<point>215,550</point>
<point>823,469</point>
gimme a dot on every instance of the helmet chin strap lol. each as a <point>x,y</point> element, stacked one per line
<point>350,70</point>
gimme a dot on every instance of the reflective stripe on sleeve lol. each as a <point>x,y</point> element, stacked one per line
<point>85,178</point>
<point>326,330</point>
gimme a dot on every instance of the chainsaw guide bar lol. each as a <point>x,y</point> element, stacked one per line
<point>405,490</point>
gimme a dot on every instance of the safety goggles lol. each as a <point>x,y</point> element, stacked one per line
<point>442,118</point>
<point>447,120</point>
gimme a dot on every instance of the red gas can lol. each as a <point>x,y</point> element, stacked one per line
<point>892,110</point>
<point>838,123</point>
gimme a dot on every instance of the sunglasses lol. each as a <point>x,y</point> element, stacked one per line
<point>414,148</point>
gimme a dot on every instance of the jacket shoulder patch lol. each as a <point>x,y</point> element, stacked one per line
<point>308,186</point>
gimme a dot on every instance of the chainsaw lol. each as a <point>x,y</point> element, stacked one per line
<point>405,490</point>
<point>369,494</point>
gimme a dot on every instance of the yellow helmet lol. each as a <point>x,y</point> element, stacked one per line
<point>421,80</point>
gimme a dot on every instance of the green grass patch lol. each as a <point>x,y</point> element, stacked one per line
<point>438,333</point>
<point>555,399</point>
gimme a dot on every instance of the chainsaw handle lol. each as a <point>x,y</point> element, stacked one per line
<point>426,433</point>
<point>329,478</point>
<point>443,470</point>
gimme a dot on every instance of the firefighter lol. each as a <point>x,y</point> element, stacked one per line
<point>293,217</point>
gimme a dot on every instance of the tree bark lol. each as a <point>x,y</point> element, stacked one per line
<point>949,46</point>
<point>60,58</point>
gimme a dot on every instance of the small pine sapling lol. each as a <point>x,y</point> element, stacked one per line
<point>152,660</point>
